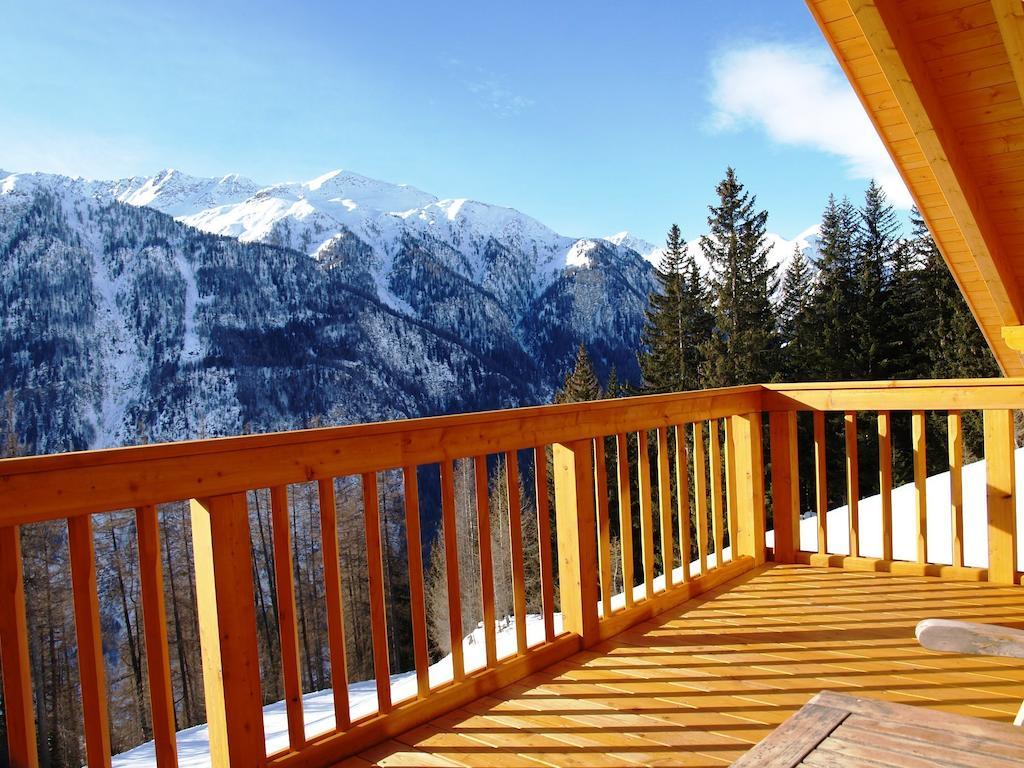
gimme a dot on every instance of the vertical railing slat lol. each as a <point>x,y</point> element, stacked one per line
<point>700,493</point>
<point>646,511</point>
<point>683,499</point>
<point>920,485</point>
<point>747,437</point>
<point>451,562</point>
<point>515,531</point>
<point>1002,511</point>
<point>378,609</point>
<point>954,431</point>
<point>483,523</point>
<point>885,479</point>
<point>852,481</point>
<point>821,481</point>
<point>625,516</point>
<point>716,488</point>
<point>14,658</point>
<point>417,594</point>
<point>547,578</point>
<point>90,641</point>
<point>154,627</point>
<point>604,548</point>
<point>730,485</point>
<point>332,599</point>
<point>665,506</point>
<point>785,484</point>
<point>288,628</point>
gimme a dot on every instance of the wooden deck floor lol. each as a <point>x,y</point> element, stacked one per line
<point>701,684</point>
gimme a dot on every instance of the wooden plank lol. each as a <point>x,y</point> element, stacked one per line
<point>700,493</point>
<point>939,395</point>
<point>625,515</point>
<point>483,522</point>
<point>1002,512</point>
<point>1010,20</point>
<point>288,632</point>
<point>577,539</point>
<point>730,484</point>
<point>885,480</point>
<point>665,506</point>
<point>155,627</point>
<point>785,484</point>
<point>716,489</point>
<point>820,481</point>
<point>954,431</point>
<point>417,600</point>
<point>852,480</point>
<point>335,607</point>
<point>90,641</point>
<point>451,563</point>
<point>375,575</point>
<point>547,577</point>
<point>515,525</point>
<point>604,549</point>
<point>796,738</point>
<point>646,512</point>
<point>14,658</point>
<point>226,611</point>
<point>683,499</point>
<point>920,484</point>
<point>894,567</point>
<point>750,486</point>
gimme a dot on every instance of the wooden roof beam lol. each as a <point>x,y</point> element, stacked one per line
<point>887,32</point>
<point>1010,18</point>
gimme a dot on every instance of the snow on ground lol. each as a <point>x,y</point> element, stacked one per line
<point>318,707</point>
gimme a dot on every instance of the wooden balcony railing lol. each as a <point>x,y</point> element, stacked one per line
<point>687,471</point>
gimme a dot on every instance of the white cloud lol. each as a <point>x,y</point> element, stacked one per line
<point>799,97</point>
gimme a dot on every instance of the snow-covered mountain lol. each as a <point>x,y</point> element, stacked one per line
<point>172,306</point>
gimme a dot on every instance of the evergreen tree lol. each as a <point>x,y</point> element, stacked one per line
<point>876,316</point>
<point>744,347</point>
<point>677,325</point>
<point>581,384</point>
<point>798,334</point>
<point>612,389</point>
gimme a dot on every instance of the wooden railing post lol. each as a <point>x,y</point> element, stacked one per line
<point>14,660</point>
<point>577,538</point>
<point>785,485</point>
<point>227,630</point>
<point>1002,512</point>
<point>749,486</point>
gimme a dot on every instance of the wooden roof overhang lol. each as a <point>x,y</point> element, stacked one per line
<point>943,83</point>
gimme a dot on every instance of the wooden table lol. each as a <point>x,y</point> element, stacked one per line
<point>841,731</point>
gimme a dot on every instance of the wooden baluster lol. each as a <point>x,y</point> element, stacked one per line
<point>14,659</point>
<point>665,505</point>
<point>90,641</point>
<point>821,481</point>
<point>700,492</point>
<point>885,479</point>
<point>547,578</point>
<point>577,538</point>
<point>716,489</point>
<point>515,530</point>
<point>730,485</point>
<point>335,608</point>
<point>625,516</point>
<point>604,549</point>
<point>1002,511</point>
<point>785,485</point>
<point>646,512</point>
<point>284,578</point>
<point>683,500</point>
<point>378,609</point>
<point>154,627</point>
<point>749,486</point>
<point>483,522</point>
<point>451,561</point>
<point>226,610</point>
<point>920,485</point>
<point>852,481</point>
<point>417,599</point>
<point>954,430</point>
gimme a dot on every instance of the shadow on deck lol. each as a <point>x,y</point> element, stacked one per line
<point>701,684</point>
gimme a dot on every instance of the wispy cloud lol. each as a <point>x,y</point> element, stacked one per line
<point>798,96</point>
<point>490,89</point>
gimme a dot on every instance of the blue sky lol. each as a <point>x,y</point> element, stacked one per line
<point>592,116</point>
